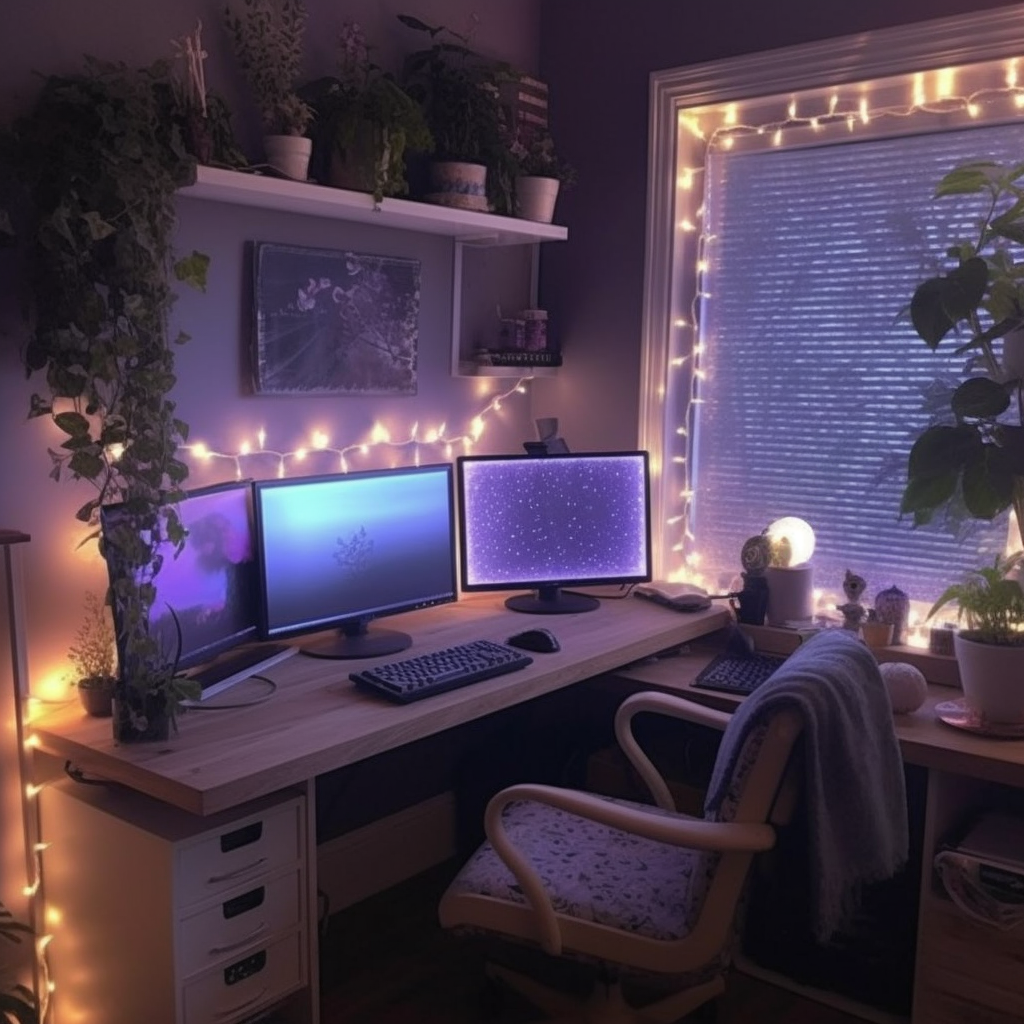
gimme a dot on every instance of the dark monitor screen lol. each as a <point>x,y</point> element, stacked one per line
<point>339,551</point>
<point>211,584</point>
<point>543,523</point>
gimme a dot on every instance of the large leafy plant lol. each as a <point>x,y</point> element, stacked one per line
<point>17,1001</point>
<point>90,176</point>
<point>974,453</point>
<point>365,121</point>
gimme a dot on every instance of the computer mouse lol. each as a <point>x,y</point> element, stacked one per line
<point>541,641</point>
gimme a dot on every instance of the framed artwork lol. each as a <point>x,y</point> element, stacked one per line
<point>334,322</point>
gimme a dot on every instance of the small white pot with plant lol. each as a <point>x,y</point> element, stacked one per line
<point>267,37</point>
<point>990,651</point>
<point>540,175</point>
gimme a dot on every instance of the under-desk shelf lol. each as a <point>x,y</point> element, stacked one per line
<point>466,226</point>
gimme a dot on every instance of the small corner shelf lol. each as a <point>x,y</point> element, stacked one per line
<point>467,228</point>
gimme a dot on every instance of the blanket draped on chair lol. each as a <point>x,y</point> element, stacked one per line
<point>853,785</point>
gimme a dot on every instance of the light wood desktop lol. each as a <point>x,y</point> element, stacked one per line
<point>317,720</point>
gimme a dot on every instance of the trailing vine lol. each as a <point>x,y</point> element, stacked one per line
<point>90,175</point>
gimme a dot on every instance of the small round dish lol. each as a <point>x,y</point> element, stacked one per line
<point>957,714</point>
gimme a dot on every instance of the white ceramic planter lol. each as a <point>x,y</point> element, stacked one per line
<point>289,155</point>
<point>535,198</point>
<point>992,677</point>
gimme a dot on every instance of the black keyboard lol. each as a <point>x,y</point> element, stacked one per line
<point>740,675</point>
<point>426,674</point>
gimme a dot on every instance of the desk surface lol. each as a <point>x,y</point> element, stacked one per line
<point>317,721</point>
<point>924,739</point>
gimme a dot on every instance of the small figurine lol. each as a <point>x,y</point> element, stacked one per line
<point>753,598</point>
<point>853,611</point>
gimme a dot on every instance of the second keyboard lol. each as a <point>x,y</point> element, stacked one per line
<point>423,675</point>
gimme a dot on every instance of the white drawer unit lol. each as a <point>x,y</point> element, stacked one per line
<point>171,918</point>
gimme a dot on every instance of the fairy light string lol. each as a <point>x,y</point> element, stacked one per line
<point>417,439</point>
<point>718,128</point>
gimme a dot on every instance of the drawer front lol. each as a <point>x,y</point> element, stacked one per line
<point>247,917</point>
<point>244,851</point>
<point>243,986</point>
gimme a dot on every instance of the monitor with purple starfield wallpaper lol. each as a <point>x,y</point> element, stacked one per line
<point>547,523</point>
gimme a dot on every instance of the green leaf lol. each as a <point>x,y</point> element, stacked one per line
<point>968,179</point>
<point>942,449</point>
<point>924,494</point>
<point>980,398</point>
<point>97,227</point>
<point>72,423</point>
<point>192,270</point>
<point>940,302</point>
<point>87,465</point>
<point>987,484</point>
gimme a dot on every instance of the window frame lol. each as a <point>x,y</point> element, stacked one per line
<point>841,61</point>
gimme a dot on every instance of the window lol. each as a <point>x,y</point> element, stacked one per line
<point>787,232</point>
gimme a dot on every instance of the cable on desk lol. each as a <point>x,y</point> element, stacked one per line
<point>72,771</point>
<point>222,706</point>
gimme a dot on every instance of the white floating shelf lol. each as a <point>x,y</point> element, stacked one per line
<point>466,226</point>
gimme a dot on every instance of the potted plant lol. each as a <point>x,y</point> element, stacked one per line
<point>539,174</point>
<point>973,456</point>
<point>90,175</point>
<point>990,651</point>
<point>17,1001</point>
<point>267,39</point>
<point>460,96</point>
<point>364,123</point>
<point>94,657</point>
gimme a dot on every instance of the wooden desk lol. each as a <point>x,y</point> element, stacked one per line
<point>318,721</point>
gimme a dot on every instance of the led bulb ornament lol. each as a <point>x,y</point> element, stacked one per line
<point>790,574</point>
<point>792,541</point>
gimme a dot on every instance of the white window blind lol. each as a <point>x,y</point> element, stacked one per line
<point>812,392</point>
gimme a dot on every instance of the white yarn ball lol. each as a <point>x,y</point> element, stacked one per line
<point>906,685</point>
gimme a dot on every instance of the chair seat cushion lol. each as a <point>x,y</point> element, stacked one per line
<point>596,873</point>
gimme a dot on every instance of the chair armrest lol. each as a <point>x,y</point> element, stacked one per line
<point>677,829</point>
<point>661,704</point>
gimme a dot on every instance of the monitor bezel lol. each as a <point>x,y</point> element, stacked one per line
<point>349,635</point>
<point>198,656</point>
<point>549,589</point>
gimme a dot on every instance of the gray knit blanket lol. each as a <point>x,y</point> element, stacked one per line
<point>853,786</point>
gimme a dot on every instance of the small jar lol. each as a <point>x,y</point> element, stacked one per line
<point>893,606</point>
<point>535,322</point>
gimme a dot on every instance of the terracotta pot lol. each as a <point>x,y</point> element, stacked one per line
<point>535,198</point>
<point>96,696</point>
<point>877,634</point>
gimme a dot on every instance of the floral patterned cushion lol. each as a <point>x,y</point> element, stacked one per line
<point>598,873</point>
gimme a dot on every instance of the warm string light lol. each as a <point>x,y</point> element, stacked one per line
<point>854,114</point>
<point>380,438</point>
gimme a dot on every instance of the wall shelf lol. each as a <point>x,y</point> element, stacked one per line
<point>466,228</point>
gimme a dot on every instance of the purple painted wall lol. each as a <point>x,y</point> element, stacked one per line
<point>597,56</point>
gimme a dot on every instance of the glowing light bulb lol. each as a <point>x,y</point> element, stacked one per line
<point>798,534</point>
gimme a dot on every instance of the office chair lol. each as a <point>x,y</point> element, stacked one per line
<point>631,889</point>
<point>639,891</point>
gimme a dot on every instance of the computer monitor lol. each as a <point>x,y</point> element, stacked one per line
<point>337,552</point>
<point>544,523</point>
<point>208,590</point>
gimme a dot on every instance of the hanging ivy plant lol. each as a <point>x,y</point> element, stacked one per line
<point>91,175</point>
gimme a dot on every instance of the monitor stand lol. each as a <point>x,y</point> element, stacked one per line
<point>356,640</point>
<point>552,601</point>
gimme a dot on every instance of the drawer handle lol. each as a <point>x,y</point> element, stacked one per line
<point>258,930</point>
<point>241,837</point>
<point>214,879</point>
<point>262,994</point>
